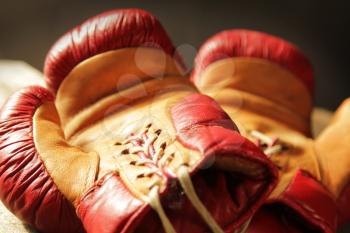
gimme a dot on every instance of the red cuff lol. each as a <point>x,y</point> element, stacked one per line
<point>110,207</point>
<point>312,201</point>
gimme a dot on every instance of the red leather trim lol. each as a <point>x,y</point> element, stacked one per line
<point>202,125</point>
<point>26,188</point>
<point>246,43</point>
<point>111,30</point>
<point>267,221</point>
<point>198,109</point>
<point>343,203</point>
<point>109,207</point>
<point>312,201</point>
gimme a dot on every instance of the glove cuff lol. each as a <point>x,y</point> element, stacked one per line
<point>101,210</point>
<point>313,202</point>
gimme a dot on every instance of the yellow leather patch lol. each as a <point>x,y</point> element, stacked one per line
<point>104,136</point>
<point>110,96</point>
<point>333,148</point>
<point>72,169</point>
<point>109,73</point>
<point>263,79</point>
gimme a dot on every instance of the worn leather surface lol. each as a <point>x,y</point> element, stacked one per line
<point>313,173</point>
<point>27,188</point>
<point>280,218</point>
<point>110,30</point>
<point>176,106</point>
<point>73,161</point>
<point>264,220</point>
<point>246,43</point>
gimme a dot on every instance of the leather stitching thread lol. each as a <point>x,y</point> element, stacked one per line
<point>143,145</point>
<point>270,145</point>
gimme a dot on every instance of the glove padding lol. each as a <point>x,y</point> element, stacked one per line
<point>265,84</point>
<point>127,144</point>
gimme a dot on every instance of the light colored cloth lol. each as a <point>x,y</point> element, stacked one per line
<point>10,224</point>
<point>17,74</point>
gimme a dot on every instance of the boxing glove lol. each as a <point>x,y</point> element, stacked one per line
<point>123,142</point>
<point>272,219</point>
<point>266,85</point>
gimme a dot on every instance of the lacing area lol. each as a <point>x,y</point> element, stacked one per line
<point>187,185</point>
<point>141,148</point>
<point>154,200</point>
<point>270,145</point>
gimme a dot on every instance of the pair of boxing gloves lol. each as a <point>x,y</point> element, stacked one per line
<point>123,141</point>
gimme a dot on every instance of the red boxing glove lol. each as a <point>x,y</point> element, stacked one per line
<point>127,144</point>
<point>265,84</point>
<point>271,219</point>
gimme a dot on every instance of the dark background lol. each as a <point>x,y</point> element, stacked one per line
<point>320,28</point>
